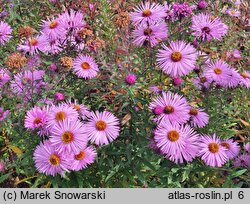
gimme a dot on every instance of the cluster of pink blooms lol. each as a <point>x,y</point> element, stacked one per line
<point>176,139</point>
<point>67,129</point>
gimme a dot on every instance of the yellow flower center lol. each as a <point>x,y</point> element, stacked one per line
<point>67,137</point>
<point>203,79</point>
<point>77,107</point>
<point>33,42</point>
<point>37,121</point>
<point>60,116</point>
<point>176,56</point>
<point>146,13</point>
<point>217,71</point>
<point>54,160</point>
<point>53,24</point>
<point>80,156</point>
<point>148,31</point>
<point>173,135</point>
<point>213,147</point>
<point>225,144</point>
<point>193,112</point>
<point>101,125</point>
<point>169,109</point>
<point>244,75</point>
<point>85,65</point>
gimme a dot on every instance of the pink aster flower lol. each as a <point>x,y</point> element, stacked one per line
<point>169,12</point>
<point>5,33</point>
<point>206,27</point>
<point>202,82</point>
<point>49,161</point>
<point>35,118</point>
<point>68,136</point>
<point>153,34</point>
<point>178,142</point>
<point>130,79</point>
<point>34,45</point>
<point>218,71</point>
<point>54,29</point>
<point>247,147</point>
<point>242,161</point>
<point>233,12</point>
<point>85,67</point>
<point>83,158</point>
<point>245,79</point>
<point>177,59</point>
<point>24,82</point>
<point>233,80</point>
<point>198,117</point>
<point>59,96</point>
<point>147,13</point>
<point>4,77</point>
<point>3,114</point>
<point>211,151</point>
<point>60,113</point>
<point>182,10</point>
<point>82,110</point>
<point>2,166</point>
<point>176,108</point>
<point>232,148</point>
<point>54,46</point>
<point>72,19</point>
<point>102,127</point>
<point>236,54</point>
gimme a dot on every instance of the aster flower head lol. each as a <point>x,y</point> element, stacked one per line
<point>53,29</point>
<point>247,147</point>
<point>147,13</point>
<point>102,127</point>
<point>169,12</point>
<point>175,108</point>
<point>82,110</point>
<point>23,82</point>
<point>68,136</point>
<point>49,161</point>
<point>130,79</point>
<point>206,27</point>
<point>34,45</point>
<point>83,158</point>
<point>177,59</point>
<point>3,114</point>
<point>211,151</point>
<point>54,46</point>
<point>72,19</point>
<point>198,117</point>
<point>152,34</point>
<point>60,113</point>
<point>85,67</point>
<point>5,33</point>
<point>232,148</point>
<point>4,77</point>
<point>202,4</point>
<point>245,79</point>
<point>242,160</point>
<point>35,118</point>
<point>218,71</point>
<point>178,142</point>
<point>234,79</point>
<point>233,12</point>
<point>182,10</point>
<point>2,166</point>
<point>202,82</point>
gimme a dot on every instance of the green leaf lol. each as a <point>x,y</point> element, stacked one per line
<point>4,177</point>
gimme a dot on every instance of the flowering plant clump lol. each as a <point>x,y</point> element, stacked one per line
<point>124,93</point>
